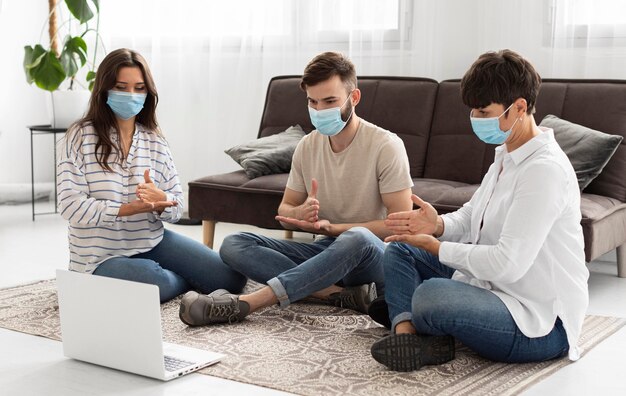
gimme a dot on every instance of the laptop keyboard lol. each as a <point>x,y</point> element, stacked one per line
<point>173,364</point>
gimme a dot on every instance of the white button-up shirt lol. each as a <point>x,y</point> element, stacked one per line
<point>520,237</point>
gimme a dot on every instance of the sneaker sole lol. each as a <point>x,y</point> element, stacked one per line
<point>408,352</point>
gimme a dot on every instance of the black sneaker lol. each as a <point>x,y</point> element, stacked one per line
<point>379,312</point>
<point>218,307</point>
<point>408,352</point>
<point>357,298</point>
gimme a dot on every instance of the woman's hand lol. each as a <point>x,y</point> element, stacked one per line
<point>413,222</point>
<point>422,241</point>
<point>138,206</point>
<point>148,192</point>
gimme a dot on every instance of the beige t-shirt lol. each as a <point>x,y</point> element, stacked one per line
<point>350,183</point>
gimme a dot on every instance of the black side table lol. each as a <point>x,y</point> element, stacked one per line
<point>43,130</point>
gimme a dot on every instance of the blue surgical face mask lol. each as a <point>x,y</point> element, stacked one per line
<point>125,104</point>
<point>488,129</point>
<point>328,121</point>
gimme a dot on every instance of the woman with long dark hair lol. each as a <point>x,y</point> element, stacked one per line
<point>117,183</point>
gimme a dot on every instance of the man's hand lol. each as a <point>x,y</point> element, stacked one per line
<point>309,209</point>
<point>422,241</point>
<point>413,222</point>
<point>148,192</point>
<point>316,227</point>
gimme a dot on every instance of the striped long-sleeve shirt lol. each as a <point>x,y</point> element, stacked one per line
<point>90,197</point>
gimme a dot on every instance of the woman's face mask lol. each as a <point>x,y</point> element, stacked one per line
<point>328,121</point>
<point>125,104</point>
<point>488,129</point>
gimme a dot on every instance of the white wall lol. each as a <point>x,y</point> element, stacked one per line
<point>21,22</point>
<point>224,108</point>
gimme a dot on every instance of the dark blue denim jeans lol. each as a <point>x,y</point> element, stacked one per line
<point>295,270</point>
<point>176,265</point>
<point>419,289</point>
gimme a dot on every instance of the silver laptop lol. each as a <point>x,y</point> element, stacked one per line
<point>117,324</point>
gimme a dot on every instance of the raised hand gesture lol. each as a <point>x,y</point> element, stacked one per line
<point>309,209</point>
<point>413,222</point>
<point>148,191</point>
<point>306,215</point>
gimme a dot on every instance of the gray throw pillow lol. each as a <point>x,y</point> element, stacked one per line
<point>587,149</point>
<point>267,155</point>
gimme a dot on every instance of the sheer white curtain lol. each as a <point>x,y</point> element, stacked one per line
<point>588,38</point>
<point>212,60</point>
<point>562,38</point>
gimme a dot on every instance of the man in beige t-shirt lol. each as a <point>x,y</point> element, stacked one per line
<point>346,176</point>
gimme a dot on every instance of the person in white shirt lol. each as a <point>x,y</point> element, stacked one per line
<point>117,183</point>
<point>505,275</point>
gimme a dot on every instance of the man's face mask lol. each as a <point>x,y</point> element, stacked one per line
<point>124,104</point>
<point>329,122</point>
<point>488,129</point>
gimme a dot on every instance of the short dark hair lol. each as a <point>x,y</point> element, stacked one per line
<point>500,77</point>
<point>327,65</point>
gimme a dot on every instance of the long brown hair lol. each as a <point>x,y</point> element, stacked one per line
<point>99,114</point>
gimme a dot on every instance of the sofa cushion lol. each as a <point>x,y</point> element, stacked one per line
<point>596,104</point>
<point>267,155</point>
<point>445,195</point>
<point>603,224</point>
<point>588,150</point>
<point>454,152</point>
<point>239,181</point>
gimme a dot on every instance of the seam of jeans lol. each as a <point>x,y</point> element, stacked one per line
<point>407,252</point>
<point>259,242</point>
<point>323,275</point>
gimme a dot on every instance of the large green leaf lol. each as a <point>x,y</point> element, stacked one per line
<point>32,58</point>
<point>81,9</point>
<point>49,73</point>
<point>74,51</point>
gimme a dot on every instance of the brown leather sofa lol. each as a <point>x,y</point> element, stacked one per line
<point>447,161</point>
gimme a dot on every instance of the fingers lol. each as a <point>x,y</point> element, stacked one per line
<point>400,216</point>
<point>397,223</point>
<point>313,193</point>
<point>163,204</point>
<point>146,176</point>
<point>418,201</point>
<point>285,219</point>
<point>289,220</point>
<point>398,226</point>
<point>396,238</point>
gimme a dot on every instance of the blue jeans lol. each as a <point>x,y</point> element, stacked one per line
<point>295,270</point>
<point>176,265</point>
<point>419,289</point>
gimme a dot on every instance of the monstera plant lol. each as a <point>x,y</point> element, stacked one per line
<point>49,67</point>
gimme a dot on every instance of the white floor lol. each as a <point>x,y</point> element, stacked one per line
<point>30,365</point>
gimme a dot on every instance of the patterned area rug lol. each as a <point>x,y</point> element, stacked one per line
<point>310,349</point>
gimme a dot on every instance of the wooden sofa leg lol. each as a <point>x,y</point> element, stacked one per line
<point>288,234</point>
<point>208,232</point>
<point>621,261</point>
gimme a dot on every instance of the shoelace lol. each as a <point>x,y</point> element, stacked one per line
<point>230,311</point>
